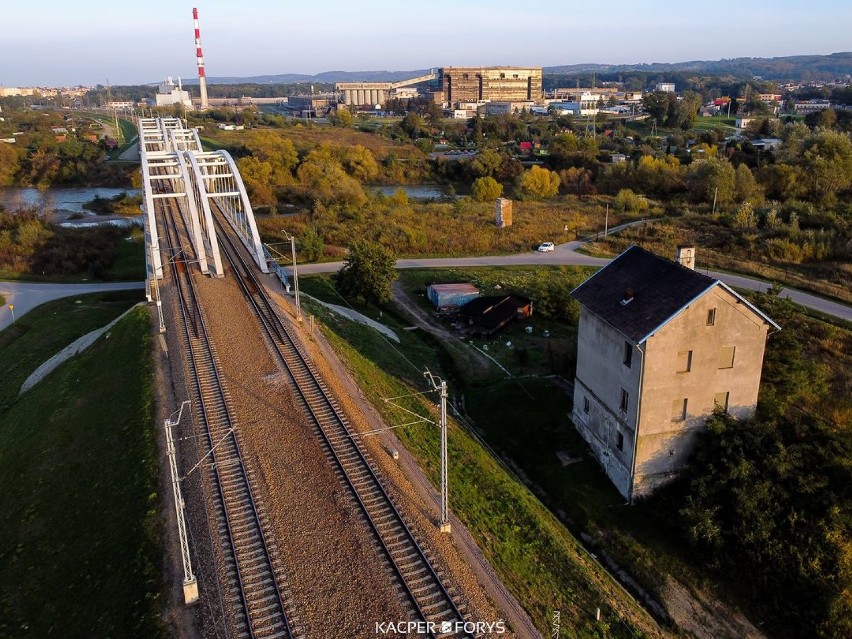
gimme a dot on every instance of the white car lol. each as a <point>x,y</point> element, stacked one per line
<point>545,247</point>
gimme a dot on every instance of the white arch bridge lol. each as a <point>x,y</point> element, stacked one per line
<point>175,168</point>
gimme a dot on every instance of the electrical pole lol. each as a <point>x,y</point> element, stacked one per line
<point>445,525</point>
<point>190,583</point>
<point>295,275</point>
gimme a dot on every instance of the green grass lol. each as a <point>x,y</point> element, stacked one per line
<point>129,265</point>
<point>2,300</point>
<point>530,429</point>
<point>79,541</point>
<point>534,555</point>
<point>47,329</point>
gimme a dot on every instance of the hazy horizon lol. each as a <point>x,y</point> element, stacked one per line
<point>62,45</point>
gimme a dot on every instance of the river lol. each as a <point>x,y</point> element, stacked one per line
<point>416,191</point>
<point>60,204</point>
<point>57,199</point>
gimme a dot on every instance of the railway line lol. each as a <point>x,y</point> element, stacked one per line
<point>256,601</point>
<point>419,584</point>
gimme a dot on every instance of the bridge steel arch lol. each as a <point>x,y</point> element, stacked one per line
<point>174,166</point>
<point>219,181</point>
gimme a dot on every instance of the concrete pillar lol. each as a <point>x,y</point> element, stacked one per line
<point>360,99</point>
<point>374,97</point>
<point>347,96</point>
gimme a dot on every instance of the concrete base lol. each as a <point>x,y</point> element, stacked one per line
<point>446,528</point>
<point>190,592</point>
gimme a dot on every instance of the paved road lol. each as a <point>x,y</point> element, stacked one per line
<point>566,254</point>
<point>25,296</point>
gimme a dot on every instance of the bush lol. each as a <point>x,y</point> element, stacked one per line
<point>486,189</point>
<point>627,200</point>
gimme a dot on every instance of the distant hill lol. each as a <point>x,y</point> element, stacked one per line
<point>326,76</point>
<point>797,67</point>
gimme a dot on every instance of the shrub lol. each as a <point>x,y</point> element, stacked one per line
<point>486,189</point>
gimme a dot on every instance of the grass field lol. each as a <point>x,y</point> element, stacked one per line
<point>533,553</point>
<point>47,329</point>
<point>79,553</point>
<point>129,265</point>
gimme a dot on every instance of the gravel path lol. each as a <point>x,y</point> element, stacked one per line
<point>355,316</point>
<point>75,347</point>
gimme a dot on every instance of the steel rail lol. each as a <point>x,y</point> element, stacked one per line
<point>422,585</point>
<point>262,613</point>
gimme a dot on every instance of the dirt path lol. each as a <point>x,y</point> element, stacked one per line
<point>472,359</point>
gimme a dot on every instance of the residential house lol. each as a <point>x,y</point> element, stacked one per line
<point>660,346</point>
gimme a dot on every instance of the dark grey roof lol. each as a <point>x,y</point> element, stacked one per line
<point>638,292</point>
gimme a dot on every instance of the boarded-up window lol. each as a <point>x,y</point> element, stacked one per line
<point>585,404</point>
<point>625,400</point>
<point>684,361</point>
<point>721,400</point>
<point>619,441</point>
<point>679,409</point>
<point>628,354</point>
<point>726,356</point>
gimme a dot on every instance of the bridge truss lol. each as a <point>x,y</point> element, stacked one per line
<point>175,167</point>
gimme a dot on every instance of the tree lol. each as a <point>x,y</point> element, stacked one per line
<point>827,160</point>
<point>257,177</point>
<point>745,184</point>
<point>412,125</point>
<point>486,163</point>
<point>486,189</point>
<point>368,273</point>
<point>745,217</point>
<point>8,164</point>
<point>341,117</point>
<point>310,244</point>
<point>538,183</point>
<point>709,179</point>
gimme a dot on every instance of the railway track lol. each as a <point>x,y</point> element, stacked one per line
<point>256,600</point>
<point>423,588</point>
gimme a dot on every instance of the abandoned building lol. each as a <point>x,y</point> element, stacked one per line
<point>487,315</point>
<point>448,297</point>
<point>659,347</point>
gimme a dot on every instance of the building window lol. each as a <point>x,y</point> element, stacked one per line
<point>721,401</point>
<point>625,398</point>
<point>465,76</point>
<point>628,354</point>
<point>726,356</point>
<point>586,405</point>
<point>711,316</point>
<point>619,441</point>
<point>679,409</point>
<point>684,361</point>
<point>502,76</point>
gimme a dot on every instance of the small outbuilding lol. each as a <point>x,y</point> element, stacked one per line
<point>451,296</point>
<point>487,315</point>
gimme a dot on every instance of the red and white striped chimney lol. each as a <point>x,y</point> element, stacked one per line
<point>202,78</point>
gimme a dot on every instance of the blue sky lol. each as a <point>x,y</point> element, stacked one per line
<point>58,42</point>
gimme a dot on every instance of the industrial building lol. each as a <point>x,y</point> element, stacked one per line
<point>490,84</point>
<point>170,94</point>
<point>378,93</point>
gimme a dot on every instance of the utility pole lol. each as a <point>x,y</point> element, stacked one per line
<point>190,583</point>
<point>445,525</point>
<point>295,274</point>
<point>715,193</point>
<point>606,221</point>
